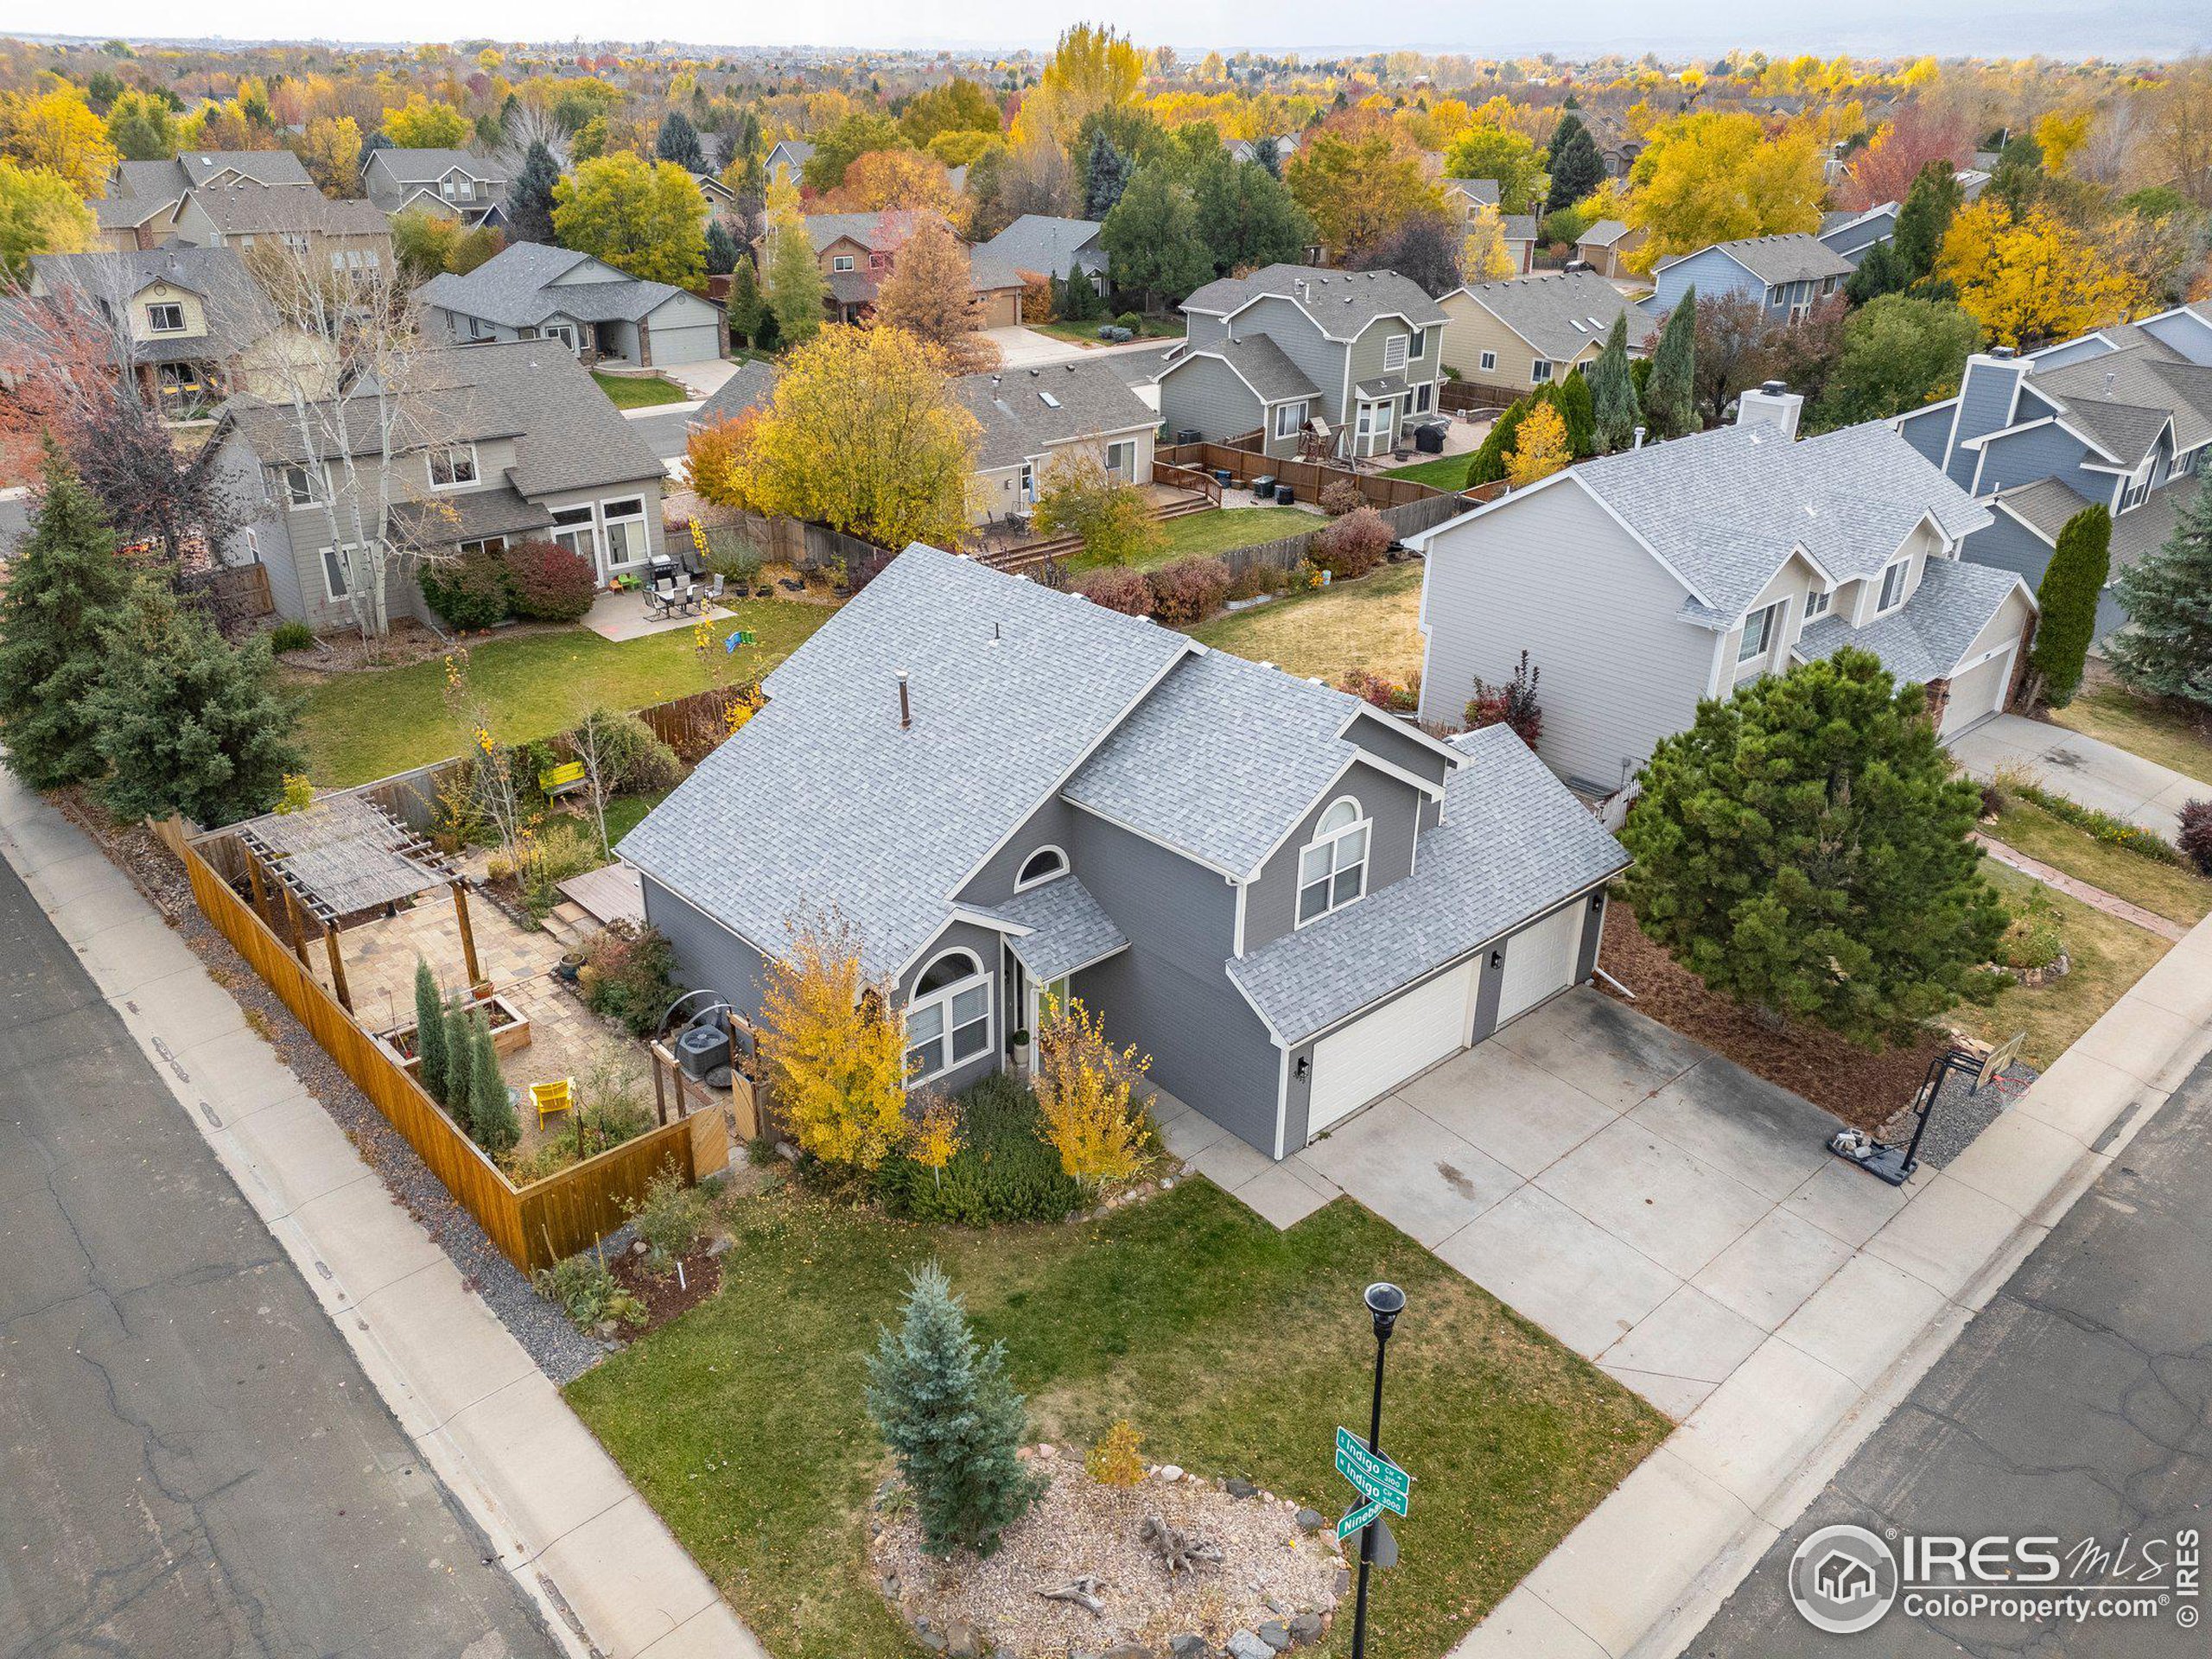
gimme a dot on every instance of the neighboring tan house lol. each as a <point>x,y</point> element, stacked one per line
<point>788,160</point>
<point>1289,900</point>
<point>1032,417</point>
<point>457,183</point>
<point>1606,245</point>
<point>2122,417</point>
<point>1851,234</point>
<point>855,253</point>
<point>530,291</point>
<point>1523,331</point>
<point>352,237</point>
<point>147,202</point>
<point>1787,275</point>
<point>1039,245</point>
<point>1464,197</point>
<point>1640,583</point>
<point>511,442</point>
<point>1357,352</point>
<point>200,327</point>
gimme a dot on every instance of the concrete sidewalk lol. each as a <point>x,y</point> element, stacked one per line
<point>570,1527</point>
<point>1648,1567</point>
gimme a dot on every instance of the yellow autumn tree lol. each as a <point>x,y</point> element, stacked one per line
<point>1093,67</point>
<point>2033,279</point>
<point>1086,1092</point>
<point>1714,177</point>
<point>1539,449</point>
<point>1484,257</point>
<point>419,124</point>
<point>880,179</point>
<point>835,1054</point>
<point>933,1136</point>
<point>58,131</point>
<point>330,150</point>
<point>863,433</point>
<point>1118,1458</point>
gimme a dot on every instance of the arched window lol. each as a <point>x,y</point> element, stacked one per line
<point>1041,865</point>
<point>1332,869</point>
<point>949,1017</point>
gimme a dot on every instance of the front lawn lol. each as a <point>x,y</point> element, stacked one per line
<point>2109,956</point>
<point>639,391</point>
<point>2162,731</point>
<point>1373,623</point>
<point>363,726</point>
<point>1438,472</point>
<point>2172,891</point>
<point>1233,1348</point>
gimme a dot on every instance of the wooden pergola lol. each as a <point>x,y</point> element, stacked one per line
<point>340,857</point>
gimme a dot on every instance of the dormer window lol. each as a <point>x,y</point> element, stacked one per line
<point>1332,869</point>
<point>1041,867</point>
<point>1817,601</point>
<point>2138,488</point>
<point>1892,588</point>
<point>166,319</point>
<point>454,466</point>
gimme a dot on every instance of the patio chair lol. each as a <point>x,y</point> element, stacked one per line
<point>660,597</point>
<point>552,1097</point>
<point>688,598</point>
<point>715,589</point>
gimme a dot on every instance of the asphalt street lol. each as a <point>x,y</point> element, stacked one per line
<point>2074,1405</point>
<point>191,1462</point>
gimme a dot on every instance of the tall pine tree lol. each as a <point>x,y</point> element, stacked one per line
<point>745,308</point>
<point>1934,195</point>
<point>1612,393</point>
<point>721,249</point>
<point>952,1420</point>
<point>430,1032</point>
<point>1105,176</point>
<point>64,586</point>
<point>1671,409</point>
<point>2067,599</point>
<point>491,1120</point>
<point>2167,647</point>
<point>530,198</point>
<point>679,142</point>
<point>1577,169</point>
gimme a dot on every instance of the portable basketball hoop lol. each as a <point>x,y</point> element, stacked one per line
<point>1895,1165</point>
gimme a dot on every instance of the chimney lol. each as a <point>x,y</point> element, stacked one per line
<point>906,704</point>
<point>2004,353</point>
<point>1772,404</point>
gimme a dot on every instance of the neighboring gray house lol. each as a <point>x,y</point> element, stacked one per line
<point>1291,901</point>
<point>2122,416</point>
<point>1787,275</point>
<point>1358,353</point>
<point>1641,582</point>
<point>456,182</point>
<point>507,443</point>
<point>1851,234</point>
<point>1040,246</point>
<point>788,160</point>
<point>530,291</point>
<point>1031,417</point>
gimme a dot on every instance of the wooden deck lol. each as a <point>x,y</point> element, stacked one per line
<point>613,893</point>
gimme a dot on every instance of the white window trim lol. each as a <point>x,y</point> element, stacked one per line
<point>1540,370</point>
<point>943,997</point>
<point>1883,603</point>
<point>1773,613</point>
<point>1817,601</point>
<point>841,262</point>
<point>318,478</point>
<point>1332,840</point>
<point>1394,352</point>
<point>153,307</point>
<point>606,522</point>
<point>475,468</point>
<point>1486,363</point>
<point>1022,883</point>
<point>322,558</point>
<point>1289,417</point>
<point>1127,474</point>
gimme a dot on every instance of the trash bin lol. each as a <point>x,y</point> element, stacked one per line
<point>1284,494</point>
<point>1189,435</point>
<point>1221,476</point>
<point>1264,486</point>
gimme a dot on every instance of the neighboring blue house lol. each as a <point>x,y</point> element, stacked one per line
<point>1850,234</point>
<point>1291,900</point>
<point>1787,275</point>
<point>2121,416</point>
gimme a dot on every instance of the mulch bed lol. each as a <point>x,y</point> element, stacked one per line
<point>1861,1087</point>
<point>666,1298</point>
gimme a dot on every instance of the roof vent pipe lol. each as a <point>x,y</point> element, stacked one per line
<point>906,704</point>
<point>1639,437</point>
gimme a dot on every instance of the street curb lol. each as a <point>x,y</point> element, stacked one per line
<point>1646,1570</point>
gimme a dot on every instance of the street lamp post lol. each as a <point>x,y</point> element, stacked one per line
<point>1385,1303</point>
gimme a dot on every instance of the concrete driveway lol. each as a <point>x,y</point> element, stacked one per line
<point>2084,769</point>
<point>1657,1208</point>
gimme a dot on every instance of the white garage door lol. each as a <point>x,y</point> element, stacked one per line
<point>701,343</point>
<point>1539,961</point>
<point>1977,694</point>
<point>1369,1058</point>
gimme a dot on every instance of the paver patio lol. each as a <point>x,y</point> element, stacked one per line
<point>1657,1208</point>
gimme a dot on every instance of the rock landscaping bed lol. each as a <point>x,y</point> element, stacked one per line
<point>1085,1572</point>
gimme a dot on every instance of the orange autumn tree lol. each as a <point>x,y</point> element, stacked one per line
<point>834,1052</point>
<point>884,179</point>
<point>1086,1092</point>
<point>716,457</point>
<point>931,294</point>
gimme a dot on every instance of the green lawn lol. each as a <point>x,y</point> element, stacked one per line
<point>1217,531</point>
<point>1086,334</point>
<point>2109,956</point>
<point>1232,1347</point>
<point>2157,731</point>
<point>1439,471</point>
<point>358,727</point>
<point>2172,891</point>
<point>1373,623</point>
<point>639,391</point>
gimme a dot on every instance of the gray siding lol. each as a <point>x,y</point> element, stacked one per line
<point>1050,825</point>
<point>2047,452</point>
<point>1383,736</point>
<point>1281,320</point>
<point>1985,406</point>
<point>1710,271</point>
<point>1554,573</point>
<point>243,486</point>
<point>1271,902</point>
<point>1203,330</point>
<point>707,955</point>
<point>987,947</point>
<point>1205,395</point>
<point>1926,431</point>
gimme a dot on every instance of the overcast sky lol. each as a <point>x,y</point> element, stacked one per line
<point>1316,27</point>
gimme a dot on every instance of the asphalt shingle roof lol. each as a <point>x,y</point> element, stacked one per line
<point>1925,638</point>
<point>1561,312</point>
<point>2122,398</point>
<point>1039,242</point>
<point>1342,301</point>
<point>258,209</point>
<point>1263,364</point>
<point>428,166</point>
<point>166,181</point>
<point>1087,398</point>
<point>1066,928</point>
<point>1513,843</point>
<point>1603,234</point>
<point>2045,506</point>
<point>1484,191</point>
<point>751,387</point>
<point>465,516</point>
<point>517,288</point>
<point>823,801</point>
<point>238,313</point>
<point>882,232</point>
<point>1797,257</point>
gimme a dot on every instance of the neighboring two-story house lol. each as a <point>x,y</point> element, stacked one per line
<point>145,198</point>
<point>502,442</point>
<point>529,291</point>
<point>2120,417</point>
<point>1288,900</point>
<point>1356,354</point>
<point>1039,244</point>
<point>456,183</point>
<point>1641,582</point>
<point>1852,234</point>
<point>855,251</point>
<point>1524,331</point>
<point>1787,275</point>
<point>788,160</point>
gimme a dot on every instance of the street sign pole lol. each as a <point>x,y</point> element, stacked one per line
<point>1385,1303</point>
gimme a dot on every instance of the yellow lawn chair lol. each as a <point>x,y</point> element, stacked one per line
<point>551,1098</point>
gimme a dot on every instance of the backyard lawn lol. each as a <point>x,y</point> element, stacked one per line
<point>360,726</point>
<point>1233,1348</point>
<point>1439,471</point>
<point>2144,726</point>
<point>639,391</point>
<point>1373,623</point>
<point>2109,956</point>
<point>1219,530</point>
<point>2173,891</point>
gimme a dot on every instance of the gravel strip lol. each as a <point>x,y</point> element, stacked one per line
<point>1959,1118</point>
<point>561,1351</point>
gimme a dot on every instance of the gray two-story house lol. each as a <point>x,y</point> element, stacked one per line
<point>491,445</point>
<point>1788,275</point>
<point>1640,583</point>
<point>1349,356</point>
<point>449,183</point>
<point>1290,900</point>
<point>2121,418</point>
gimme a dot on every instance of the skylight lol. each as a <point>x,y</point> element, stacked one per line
<point>1051,402</point>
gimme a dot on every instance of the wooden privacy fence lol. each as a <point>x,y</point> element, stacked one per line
<point>1307,478</point>
<point>1465,396</point>
<point>805,547</point>
<point>1288,552</point>
<point>532,1226</point>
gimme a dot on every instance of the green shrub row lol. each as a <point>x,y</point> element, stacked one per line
<point>2102,825</point>
<point>1005,1170</point>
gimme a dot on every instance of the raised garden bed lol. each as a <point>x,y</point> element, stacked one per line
<point>510,1032</point>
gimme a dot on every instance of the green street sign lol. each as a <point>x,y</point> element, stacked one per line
<point>1356,1518</point>
<point>1379,1480</point>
